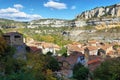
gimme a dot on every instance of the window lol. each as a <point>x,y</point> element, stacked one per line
<point>17,36</point>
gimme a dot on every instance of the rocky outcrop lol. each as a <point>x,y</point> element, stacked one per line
<point>48,23</point>
<point>108,11</point>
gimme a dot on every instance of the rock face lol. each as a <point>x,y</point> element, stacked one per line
<point>108,11</point>
<point>48,23</point>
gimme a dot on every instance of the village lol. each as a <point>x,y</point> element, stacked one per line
<point>60,40</point>
<point>90,54</point>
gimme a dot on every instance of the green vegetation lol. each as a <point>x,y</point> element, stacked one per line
<point>36,67</point>
<point>108,70</point>
<point>1,32</point>
<point>115,47</point>
<point>42,67</point>
<point>63,51</point>
<point>89,27</point>
<point>4,23</point>
<point>80,72</point>
<point>2,45</point>
<point>52,64</point>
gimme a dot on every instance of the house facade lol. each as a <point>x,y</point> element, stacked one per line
<point>13,38</point>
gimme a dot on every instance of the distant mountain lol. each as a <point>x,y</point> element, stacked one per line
<point>108,11</point>
<point>50,22</point>
<point>5,23</point>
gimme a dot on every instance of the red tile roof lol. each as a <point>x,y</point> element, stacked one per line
<point>110,53</point>
<point>35,49</point>
<point>50,45</point>
<point>92,48</point>
<point>74,48</point>
<point>72,59</point>
<point>94,61</point>
<point>106,46</point>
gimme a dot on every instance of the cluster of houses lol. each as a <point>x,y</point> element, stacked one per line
<point>90,54</point>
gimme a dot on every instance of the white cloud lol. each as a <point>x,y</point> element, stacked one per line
<point>15,14</point>
<point>18,6</point>
<point>55,5</point>
<point>8,10</point>
<point>73,7</point>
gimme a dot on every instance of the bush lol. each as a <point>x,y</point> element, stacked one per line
<point>108,70</point>
<point>80,72</point>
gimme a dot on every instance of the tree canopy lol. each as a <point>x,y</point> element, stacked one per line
<point>2,45</point>
<point>80,72</point>
<point>108,70</point>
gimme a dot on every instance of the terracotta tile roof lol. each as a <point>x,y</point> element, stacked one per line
<point>72,59</point>
<point>56,46</point>
<point>44,45</point>
<point>92,57</point>
<point>110,53</point>
<point>93,61</point>
<point>74,48</point>
<point>37,43</point>
<point>118,49</point>
<point>35,49</point>
<point>92,48</point>
<point>50,45</point>
<point>76,43</point>
<point>106,46</point>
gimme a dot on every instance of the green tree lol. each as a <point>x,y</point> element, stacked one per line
<point>62,51</point>
<point>2,45</point>
<point>49,75</point>
<point>108,70</point>
<point>80,72</point>
<point>36,65</point>
<point>52,64</point>
<point>18,76</point>
<point>7,61</point>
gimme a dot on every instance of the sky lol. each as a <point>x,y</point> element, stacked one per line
<point>27,10</point>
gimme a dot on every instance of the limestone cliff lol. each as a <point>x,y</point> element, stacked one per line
<point>108,11</point>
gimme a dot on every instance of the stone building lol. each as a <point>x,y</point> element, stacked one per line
<point>13,38</point>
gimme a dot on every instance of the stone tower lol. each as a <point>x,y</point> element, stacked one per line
<point>86,52</point>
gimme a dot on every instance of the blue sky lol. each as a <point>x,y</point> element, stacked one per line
<point>26,10</point>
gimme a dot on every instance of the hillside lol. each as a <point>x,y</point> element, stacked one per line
<point>5,23</point>
<point>50,22</point>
